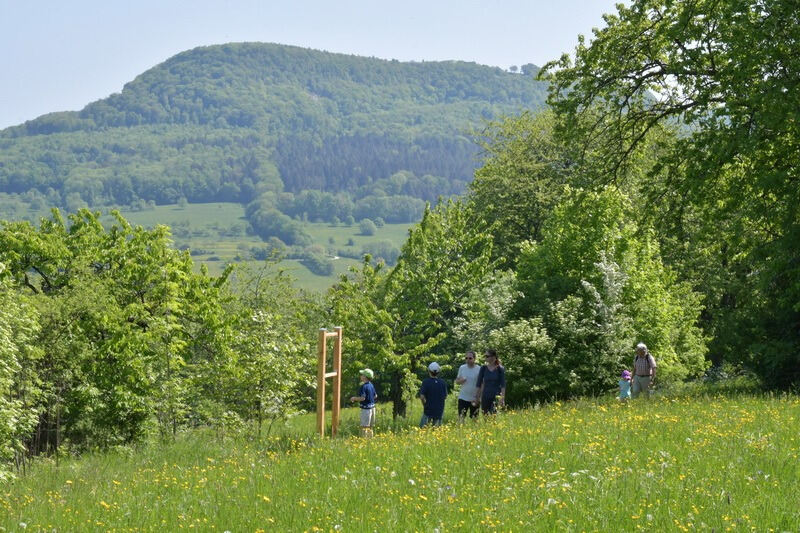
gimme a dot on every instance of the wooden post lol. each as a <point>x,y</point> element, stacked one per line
<point>337,381</point>
<point>322,375</point>
<point>321,382</point>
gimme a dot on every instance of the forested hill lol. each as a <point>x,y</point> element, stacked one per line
<point>230,122</point>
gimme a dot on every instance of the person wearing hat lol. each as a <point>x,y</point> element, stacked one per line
<point>644,371</point>
<point>432,393</point>
<point>367,397</point>
<point>624,385</point>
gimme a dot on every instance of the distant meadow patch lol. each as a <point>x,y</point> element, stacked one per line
<point>680,464</point>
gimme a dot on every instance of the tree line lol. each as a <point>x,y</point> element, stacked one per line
<point>613,219</point>
<point>231,122</point>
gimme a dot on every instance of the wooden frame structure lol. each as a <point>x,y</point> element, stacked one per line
<point>322,375</point>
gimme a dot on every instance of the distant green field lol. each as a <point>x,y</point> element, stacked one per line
<point>215,232</point>
<point>198,226</point>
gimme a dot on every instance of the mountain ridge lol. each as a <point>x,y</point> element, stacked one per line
<point>230,122</point>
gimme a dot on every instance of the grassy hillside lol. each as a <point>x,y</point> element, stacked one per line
<point>206,229</point>
<point>674,464</point>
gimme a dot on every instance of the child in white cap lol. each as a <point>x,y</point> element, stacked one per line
<point>432,394</point>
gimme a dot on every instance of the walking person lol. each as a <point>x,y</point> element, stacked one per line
<point>624,386</point>
<point>432,394</point>
<point>491,384</point>
<point>644,371</point>
<point>367,396</point>
<point>468,379</point>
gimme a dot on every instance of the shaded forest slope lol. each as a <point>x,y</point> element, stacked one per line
<point>229,122</point>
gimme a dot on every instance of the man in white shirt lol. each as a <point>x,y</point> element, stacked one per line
<point>468,379</point>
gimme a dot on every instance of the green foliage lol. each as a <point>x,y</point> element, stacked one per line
<point>487,308</point>
<point>725,187</point>
<point>355,304</point>
<point>267,222</point>
<point>317,263</point>
<point>367,227</point>
<point>229,122</point>
<point>384,250</point>
<point>531,369</point>
<point>274,367</point>
<point>600,287</point>
<point>19,388</point>
<point>523,173</point>
<point>121,318</point>
<point>444,259</point>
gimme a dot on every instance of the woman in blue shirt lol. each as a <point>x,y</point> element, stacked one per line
<point>491,383</point>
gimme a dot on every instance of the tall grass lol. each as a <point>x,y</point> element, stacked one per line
<point>667,464</point>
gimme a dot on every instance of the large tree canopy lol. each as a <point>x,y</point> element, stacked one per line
<point>725,75</point>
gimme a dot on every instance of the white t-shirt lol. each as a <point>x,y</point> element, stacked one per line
<point>468,389</point>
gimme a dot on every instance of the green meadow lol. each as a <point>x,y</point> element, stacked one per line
<point>203,227</point>
<point>709,463</point>
<point>216,233</point>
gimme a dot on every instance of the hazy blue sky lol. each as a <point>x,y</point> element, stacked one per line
<point>59,55</point>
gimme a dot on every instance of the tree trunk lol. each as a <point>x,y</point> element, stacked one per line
<point>398,403</point>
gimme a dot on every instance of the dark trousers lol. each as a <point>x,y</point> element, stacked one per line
<point>466,405</point>
<point>488,405</point>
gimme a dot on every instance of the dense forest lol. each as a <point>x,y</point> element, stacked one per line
<point>232,122</point>
<point>614,217</point>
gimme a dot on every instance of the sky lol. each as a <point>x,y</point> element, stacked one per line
<point>58,55</point>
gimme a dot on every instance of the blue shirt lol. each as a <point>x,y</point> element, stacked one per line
<point>367,390</point>
<point>493,381</point>
<point>435,391</point>
<point>624,388</point>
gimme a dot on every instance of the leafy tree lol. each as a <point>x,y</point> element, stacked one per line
<point>317,263</point>
<point>18,385</point>
<point>355,303</point>
<point>724,71</point>
<point>122,317</point>
<point>598,283</point>
<point>442,261</point>
<point>275,365</point>
<point>523,173</point>
<point>382,250</point>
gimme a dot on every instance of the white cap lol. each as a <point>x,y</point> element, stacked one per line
<point>434,367</point>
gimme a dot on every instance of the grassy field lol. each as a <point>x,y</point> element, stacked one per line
<point>206,228</point>
<point>204,222</point>
<point>670,464</point>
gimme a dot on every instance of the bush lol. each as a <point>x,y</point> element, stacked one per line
<point>367,227</point>
<point>526,352</point>
<point>317,263</point>
<point>383,250</point>
<point>599,285</point>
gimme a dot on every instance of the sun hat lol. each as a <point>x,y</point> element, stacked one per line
<point>434,367</point>
<point>367,373</point>
<point>626,374</point>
